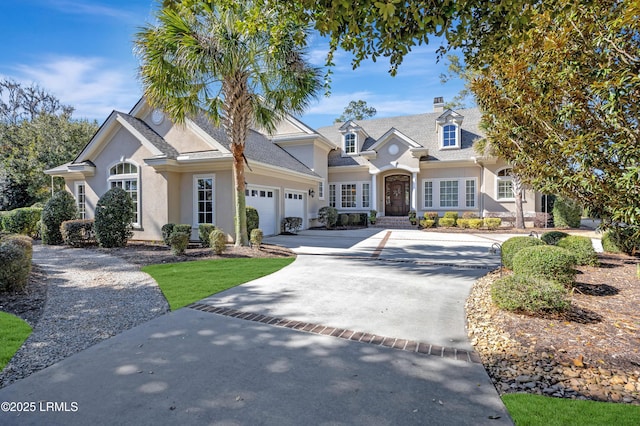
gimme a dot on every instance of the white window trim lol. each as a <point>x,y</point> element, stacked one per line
<point>195,197</point>
<point>344,144</point>
<point>76,186</point>
<point>462,194</point>
<point>504,179</point>
<point>359,190</point>
<point>111,178</point>
<point>441,135</point>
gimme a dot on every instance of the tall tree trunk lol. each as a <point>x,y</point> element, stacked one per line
<point>517,194</point>
<point>241,204</point>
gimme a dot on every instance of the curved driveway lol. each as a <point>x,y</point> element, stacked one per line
<point>267,359</point>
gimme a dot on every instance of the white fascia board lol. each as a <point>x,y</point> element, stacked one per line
<point>395,132</point>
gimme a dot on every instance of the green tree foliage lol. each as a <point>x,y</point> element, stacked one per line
<point>114,214</point>
<point>202,58</point>
<point>36,133</point>
<point>60,207</point>
<point>562,104</point>
<point>356,110</point>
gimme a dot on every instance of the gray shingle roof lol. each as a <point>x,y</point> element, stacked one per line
<point>258,148</point>
<point>146,131</point>
<point>421,128</point>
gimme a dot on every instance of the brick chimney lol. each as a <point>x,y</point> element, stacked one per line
<point>438,104</point>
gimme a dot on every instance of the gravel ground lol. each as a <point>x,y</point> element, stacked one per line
<point>91,296</point>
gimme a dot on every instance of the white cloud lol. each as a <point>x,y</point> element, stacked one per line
<point>77,7</point>
<point>91,85</point>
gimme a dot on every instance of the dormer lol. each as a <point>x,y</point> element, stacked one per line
<point>353,136</point>
<point>448,126</point>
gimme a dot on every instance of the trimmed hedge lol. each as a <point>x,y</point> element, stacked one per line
<point>451,215</point>
<point>581,248</point>
<point>513,245</point>
<point>256,237</point>
<point>179,241</point>
<point>552,237</point>
<point>328,216</point>
<point>550,262</point>
<point>475,223</point>
<point>15,262</point>
<point>427,223</point>
<point>344,219</point>
<point>60,207</point>
<point>204,230</point>
<point>78,232</point>
<point>24,221</point>
<point>447,222</point>
<point>182,227</point>
<point>529,294</point>
<point>218,241</point>
<point>492,223</point>
<point>432,216</point>
<point>463,223</point>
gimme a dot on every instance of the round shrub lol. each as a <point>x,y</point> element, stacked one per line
<point>475,223</point>
<point>78,232</point>
<point>256,237</point>
<point>253,219</point>
<point>513,245</point>
<point>621,240</point>
<point>114,214</point>
<point>566,213</point>
<point>179,241</point>
<point>167,230</point>
<point>552,237</point>
<point>328,216</point>
<point>344,219</point>
<point>432,216</point>
<point>60,207</point>
<point>492,223</point>
<point>463,223</point>
<point>447,222</point>
<point>550,262</point>
<point>528,294</point>
<point>581,248</point>
<point>427,223</point>
<point>204,230</point>
<point>218,241</point>
<point>354,219</point>
<point>451,215</point>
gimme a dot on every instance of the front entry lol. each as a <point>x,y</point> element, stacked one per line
<point>397,191</point>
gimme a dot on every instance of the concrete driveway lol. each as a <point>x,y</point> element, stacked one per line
<point>340,336</point>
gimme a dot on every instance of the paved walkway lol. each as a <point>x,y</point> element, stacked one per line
<point>341,336</point>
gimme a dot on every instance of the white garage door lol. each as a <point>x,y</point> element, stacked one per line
<point>264,200</point>
<point>294,205</point>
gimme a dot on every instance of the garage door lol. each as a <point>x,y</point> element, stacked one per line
<point>264,200</point>
<point>294,205</point>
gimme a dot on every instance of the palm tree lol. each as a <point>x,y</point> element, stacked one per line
<point>200,58</point>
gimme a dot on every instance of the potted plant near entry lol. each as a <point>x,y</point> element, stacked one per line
<point>373,216</point>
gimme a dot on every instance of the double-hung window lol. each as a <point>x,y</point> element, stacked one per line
<point>204,196</point>
<point>449,136</point>
<point>504,184</point>
<point>350,143</point>
<point>125,175</point>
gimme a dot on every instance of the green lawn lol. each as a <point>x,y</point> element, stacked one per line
<point>187,282</point>
<point>13,332</point>
<point>533,410</point>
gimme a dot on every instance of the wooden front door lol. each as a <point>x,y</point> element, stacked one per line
<point>397,190</point>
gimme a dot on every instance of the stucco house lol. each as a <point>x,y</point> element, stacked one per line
<point>183,173</point>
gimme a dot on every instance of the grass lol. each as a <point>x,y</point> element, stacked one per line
<point>187,282</point>
<point>533,410</point>
<point>13,332</point>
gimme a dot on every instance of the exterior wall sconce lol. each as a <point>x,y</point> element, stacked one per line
<point>312,193</point>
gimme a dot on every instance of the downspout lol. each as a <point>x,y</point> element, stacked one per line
<point>481,194</point>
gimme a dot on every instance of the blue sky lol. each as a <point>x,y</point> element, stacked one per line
<point>81,51</point>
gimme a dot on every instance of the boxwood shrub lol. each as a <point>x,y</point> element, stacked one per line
<point>328,216</point>
<point>23,220</point>
<point>253,219</point>
<point>427,223</point>
<point>344,219</point>
<point>204,230</point>
<point>463,223</point>
<point>182,227</point>
<point>218,241</point>
<point>492,222</point>
<point>621,240</point>
<point>513,245</point>
<point>475,223</point>
<point>552,237</point>
<point>167,230</point>
<point>582,249</point>
<point>179,241</point>
<point>550,262</point>
<point>78,232</point>
<point>447,222</point>
<point>432,216</point>
<point>529,294</point>
<point>256,237</point>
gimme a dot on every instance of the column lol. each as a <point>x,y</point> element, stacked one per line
<point>374,193</point>
<point>414,191</point>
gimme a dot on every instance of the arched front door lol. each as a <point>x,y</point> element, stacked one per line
<point>397,189</point>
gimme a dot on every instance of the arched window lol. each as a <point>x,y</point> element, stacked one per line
<point>350,143</point>
<point>504,188</point>
<point>125,175</point>
<point>449,136</point>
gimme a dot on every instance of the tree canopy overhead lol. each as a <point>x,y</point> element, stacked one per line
<point>356,110</point>
<point>563,105</point>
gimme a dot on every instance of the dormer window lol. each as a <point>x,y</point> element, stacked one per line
<point>350,143</point>
<point>449,136</point>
